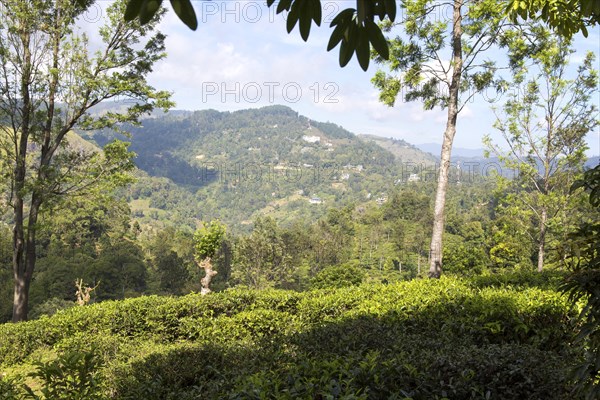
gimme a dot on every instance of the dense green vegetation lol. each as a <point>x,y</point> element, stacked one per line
<point>323,306</point>
<point>502,337</point>
<point>314,240</point>
<point>370,338</point>
<point>97,240</point>
<point>50,82</point>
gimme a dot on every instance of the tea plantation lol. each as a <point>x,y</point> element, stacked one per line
<point>453,338</point>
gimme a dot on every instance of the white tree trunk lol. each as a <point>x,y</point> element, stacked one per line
<point>435,251</point>
<point>542,242</point>
<point>206,265</point>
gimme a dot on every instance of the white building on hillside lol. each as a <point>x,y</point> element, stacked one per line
<point>311,139</point>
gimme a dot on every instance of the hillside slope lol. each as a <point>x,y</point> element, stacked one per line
<point>238,165</point>
<point>402,150</point>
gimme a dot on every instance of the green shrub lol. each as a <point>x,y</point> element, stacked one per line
<point>10,388</point>
<point>181,371</point>
<point>338,276</point>
<point>520,278</point>
<point>422,339</point>
<point>446,371</point>
<point>582,285</point>
<point>73,375</point>
<point>50,307</point>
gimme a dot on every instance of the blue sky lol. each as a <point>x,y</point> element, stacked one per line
<point>242,57</point>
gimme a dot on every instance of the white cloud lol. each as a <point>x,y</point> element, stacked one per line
<point>466,113</point>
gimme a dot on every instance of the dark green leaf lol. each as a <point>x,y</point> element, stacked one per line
<point>133,9</point>
<point>346,52</point>
<point>284,5</point>
<point>363,50</point>
<point>292,18</point>
<point>545,11</point>
<point>148,10</point>
<point>352,34</point>
<point>377,39</point>
<point>185,12</point>
<point>346,14</point>
<point>586,7</point>
<point>336,36</point>
<point>305,18</point>
<point>316,11</point>
<point>390,9</point>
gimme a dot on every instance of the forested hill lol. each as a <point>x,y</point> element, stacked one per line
<point>236,165</point>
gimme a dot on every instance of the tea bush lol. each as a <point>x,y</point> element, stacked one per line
<point>10,388</point>
<point>424,339</point>
<point>74,375</point>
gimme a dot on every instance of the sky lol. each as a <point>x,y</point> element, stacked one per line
<point>241,56</point>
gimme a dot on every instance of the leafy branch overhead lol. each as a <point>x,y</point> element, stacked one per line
<point>566,17</point>
<point>355,29</point>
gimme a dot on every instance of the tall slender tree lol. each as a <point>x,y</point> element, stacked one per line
<point>418,69</point>
<point>544,123</point>
<point>49,81</point>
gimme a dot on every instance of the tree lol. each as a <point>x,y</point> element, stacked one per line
<point>510,243</point>
<point>121,269</point>
<point>168,271</point>
<point>50,81</point>
<point>544,123</point>
<point>261,259</point>
<point>207,240</point>
<point>338,276</point>
<point>78,241</point>
<point>418,70</point>
<point>331,239</point>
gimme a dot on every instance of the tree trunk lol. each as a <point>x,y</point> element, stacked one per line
<point>542,242</point>
<point>21,278</point>
<point>20,299</point>
<point>435,257</point>
<point>20,282</point>
<point>206,265</point>
<point>24,259</point>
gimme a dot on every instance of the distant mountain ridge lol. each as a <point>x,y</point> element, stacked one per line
<point>435,149</point>
<point>401,149</point>
<point>477,155</point>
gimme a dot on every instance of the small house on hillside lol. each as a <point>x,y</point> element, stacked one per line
<point>311,139</point>
<point>315,200</point>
